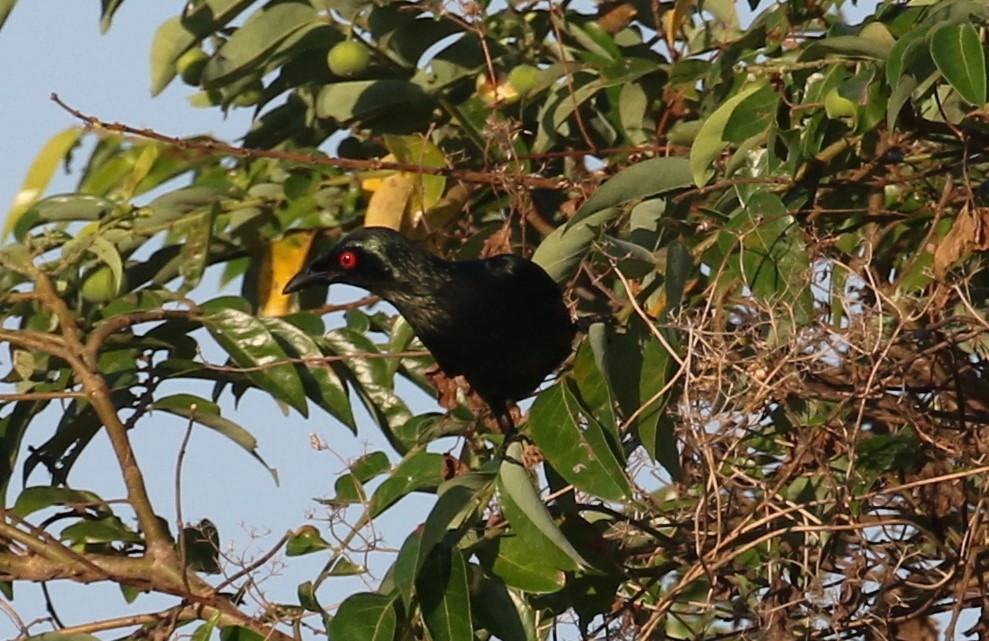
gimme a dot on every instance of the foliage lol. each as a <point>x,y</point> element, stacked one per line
<point>785,430</point>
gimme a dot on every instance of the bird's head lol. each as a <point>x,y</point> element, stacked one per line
<point>378,259</point>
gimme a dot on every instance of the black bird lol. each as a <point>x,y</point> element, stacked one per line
<point>500,321</point>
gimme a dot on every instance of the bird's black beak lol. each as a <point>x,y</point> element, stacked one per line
<point>304,279</point>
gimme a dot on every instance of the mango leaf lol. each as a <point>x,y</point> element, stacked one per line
<point>503,611</point>
<point>915,66</point>
<point>108,529</point>
<point>40,173</point>
<point>647,178</point>
<point>253,347</point>
<point>305,540</point>
<point>373,382</point>
<point>5,8</point>
<point>461,499</point>
<point>530,519</point>
<point>575,444</point>
<point>957,52</point>
<point>443,595</point>
<point>847,47</point>
<point>108,8</point>
<point>520,564</point>
<point>195,251</point>
<point>418,471</point>
<point>562,251</point>
<point>63,208</point>
<point>201,547</point>
<point>711,140</point>
<point>365,617</point>
<point>753,116</point>
<point>38,497</point>
<point>360,99</point>
<point>349,487</point>
<point>321,383</point>
<point>178,34</point>
<point>207,413</point>
<point>406,566</point>
<point>261,33</point>
<point>417,150</point>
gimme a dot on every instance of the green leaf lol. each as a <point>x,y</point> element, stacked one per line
<point>6,6</point>
<point>239,633</point>
<point>520,565</point>
<point>679,270</point>
<point>847,47</point>
<point>373,382</point>
<point>251,346</point>
<point>35,498</point>
<point>207,413</point>
<point>361,99</point>
<point>506,613</point>
<point>365,617</point>
<point>109,7</point>
<point>40,173</point>
<point>201,546</point>
<point>178,34</point>
<point>902,52</point>
<point>109,256</point>
<point>206,630</point>
<point>574,443</point>
<point>109,529</point>
<point>443,595</point>
<point>461,499</point>
<point>418,471</point>
<point>753,116</point>
<point>957,52</point>
<point>406,567</point>
<point>711,140</point>
<point>171,39</point>
<point>530,519</point>
<point>195,250</point>
<point>251,43</point>
<point>562,251</point>
<point>914,67</point>
<point>305,540</point>
<point>320,381</point>
<point>63,208</point>
<point>647,178</point>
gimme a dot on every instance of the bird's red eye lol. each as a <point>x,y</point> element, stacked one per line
<point>348,260</point>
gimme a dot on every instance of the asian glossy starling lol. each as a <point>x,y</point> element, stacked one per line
<point>500,321</point>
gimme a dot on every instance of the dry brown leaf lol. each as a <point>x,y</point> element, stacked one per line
<point>967,234</point>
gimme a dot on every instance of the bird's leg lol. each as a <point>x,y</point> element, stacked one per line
<point>583,324</point>
<point>503,416</point>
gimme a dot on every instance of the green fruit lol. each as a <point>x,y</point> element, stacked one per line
<point>190,66</point>
<point>348,58</point>
<point>99,286</point>
<point>249,96</point>
<point>523,78</point>
<point>838,106</point>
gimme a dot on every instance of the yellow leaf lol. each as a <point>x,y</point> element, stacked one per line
<point>40,174</point>
<point>615,16</point>
<point>145,161</point>
<point>389,202</point>
<point>285,259</point>
<point>416,150</point>
<point>675,19</point>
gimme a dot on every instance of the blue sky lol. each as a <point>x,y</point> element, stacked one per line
<point>55,46</point>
